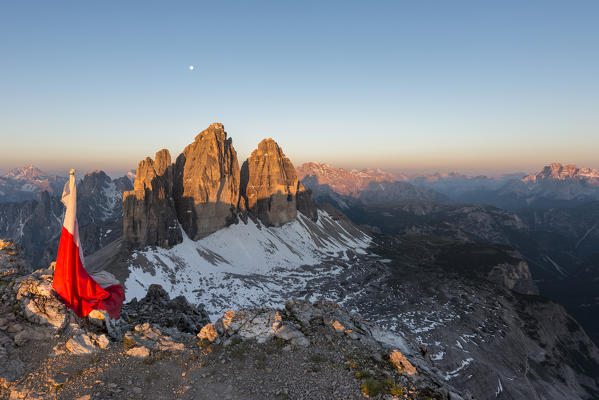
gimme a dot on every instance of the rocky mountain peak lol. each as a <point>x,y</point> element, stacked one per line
<point>563,172</point>
<point>207,183</point>
<point>25,173</point>
<point>162,161</point>
<point>204,190</point>
<point>149,216</point>
<point>94,180</point>
<point>145,173</point>
<point>269,184</point>
<point>215,133</point>
<point>340,180</point>
<point>27,183</point>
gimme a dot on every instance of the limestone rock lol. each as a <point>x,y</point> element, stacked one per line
<point>39,302</point>
<point>139,351</point>
<point>260,325</point>
<point>207,183</point>
<point>269,184</point>
<point>149,216</point>
<point>305,202</point>
<point>256,324</point>
<point>152,338</point>
<point>289,333</point>
<point>81,344</point>
<point>205,190</point>
<point>157,308</point>
<point>11,259</point>
<point>515,276</point>
<point>208,332</point>
<point>401,363</point>
<point>101,341</point>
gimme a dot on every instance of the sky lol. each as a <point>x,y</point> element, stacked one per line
<point>422,86</point>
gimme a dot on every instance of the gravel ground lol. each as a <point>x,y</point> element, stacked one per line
<point>331,367</point>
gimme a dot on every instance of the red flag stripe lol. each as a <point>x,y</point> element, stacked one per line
<point>76,287</point>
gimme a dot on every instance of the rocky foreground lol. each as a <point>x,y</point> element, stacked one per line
<point>164,349</point>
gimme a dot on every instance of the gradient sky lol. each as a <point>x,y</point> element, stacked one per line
<point>412,86</point>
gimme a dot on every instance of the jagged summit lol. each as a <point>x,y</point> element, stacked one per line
<point>558,171</point>
<point>27,183</point>
<point>28,172</point>
<point>342,181</point>
<point>269,184</point>
<point>148,210</point>
<point>206,183</point>
<point>205,191</point>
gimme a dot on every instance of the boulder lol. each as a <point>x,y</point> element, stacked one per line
<point>289,333</point>
<point>151,337</point>
<point>401,363</point>
<point>256,324</point>
<point>38,301</point>
<point>208,332</point>
<point>81,344</point>
<point>139,351</point>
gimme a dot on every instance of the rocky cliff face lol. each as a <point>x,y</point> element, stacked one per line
<point>205,190</point>
<point>269,185</point>
<point>207,183</point>
<point>305,202</point>
<point>149,216</point>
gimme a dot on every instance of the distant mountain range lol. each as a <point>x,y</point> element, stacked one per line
<point>343,188</point>
<point>26,184</point>
<point>556,185</point>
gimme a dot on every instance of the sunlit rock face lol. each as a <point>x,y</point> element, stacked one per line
<point>269,185</point>
<point>205,190</point>
<point>207,183</point>
<point>149,216</point>
<point>558,171</point>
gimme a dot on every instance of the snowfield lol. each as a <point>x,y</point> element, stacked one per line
<point>248,264</point>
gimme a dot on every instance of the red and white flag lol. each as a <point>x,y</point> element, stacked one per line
<point>77,288</point>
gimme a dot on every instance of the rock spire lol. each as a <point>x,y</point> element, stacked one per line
<point>207,183</point>
<point>149,216</point>
<point>205,190</point>
<point>269,185</point>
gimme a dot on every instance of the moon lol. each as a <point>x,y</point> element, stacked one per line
<point>191,67</point>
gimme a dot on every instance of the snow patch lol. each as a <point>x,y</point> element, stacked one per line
<point>499,388</point>
<point>557,267</point>
<point>246,264</point>
<point>456,372</point>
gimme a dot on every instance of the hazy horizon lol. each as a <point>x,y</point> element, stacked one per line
<point>461,86</point>
<point>409,171</point>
